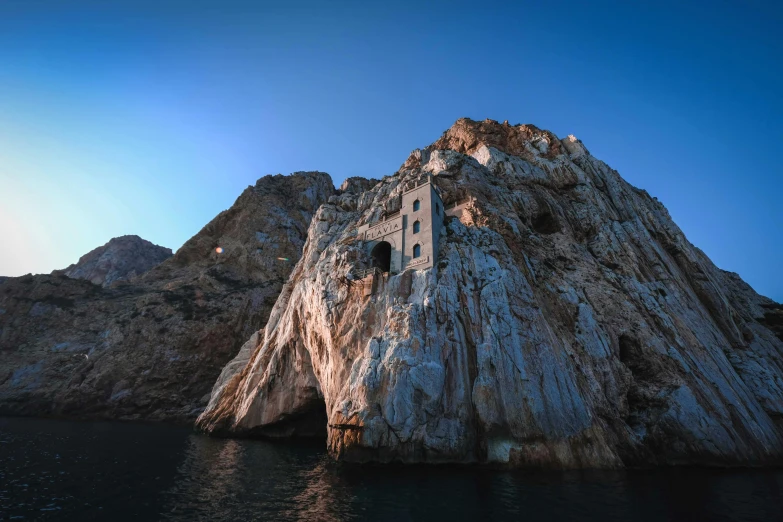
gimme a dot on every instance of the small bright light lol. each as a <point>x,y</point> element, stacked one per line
<point>283,258</point>
<point>219,250</point>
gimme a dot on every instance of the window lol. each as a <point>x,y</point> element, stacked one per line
<point>416,205</point>
<point>416,227</point>
<point>437,208</point>
<point>416,251</point>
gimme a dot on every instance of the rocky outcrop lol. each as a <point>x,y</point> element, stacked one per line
<point>567,323</point>
<point>122,258</point>
<point>357,185</point>
<point>152,347</point>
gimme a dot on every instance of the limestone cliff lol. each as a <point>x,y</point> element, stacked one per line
<point>122,258</point>
<point>567,323</point>
<point>151,347</point>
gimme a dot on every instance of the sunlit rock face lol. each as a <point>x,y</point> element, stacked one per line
<point>567,323</point>
<point>152,347</point>
<point>122,258</point>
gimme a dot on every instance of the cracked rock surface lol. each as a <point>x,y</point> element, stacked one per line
<point>568,323</point>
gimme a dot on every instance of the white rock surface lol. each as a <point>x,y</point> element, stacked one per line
<point>567,323</point>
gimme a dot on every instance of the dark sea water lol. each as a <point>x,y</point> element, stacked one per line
<point>59,470</point>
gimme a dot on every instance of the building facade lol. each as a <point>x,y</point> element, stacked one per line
<point>409,238</point>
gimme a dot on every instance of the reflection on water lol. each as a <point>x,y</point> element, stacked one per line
<point>236,479</point>
<point>119,471</point>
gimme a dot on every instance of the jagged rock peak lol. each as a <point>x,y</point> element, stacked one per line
<point>272,215</point>
<point>293,181</point>
<point>357,185</point>
<point>466,136</point>
<point>122,258</point>
<point>574,146</point>
<point>564,320</point>
<point>475,138</point>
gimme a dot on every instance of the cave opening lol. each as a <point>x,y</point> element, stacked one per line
<point>630,353</point>
<point>309,422</point>
<point>545,223</point>
<point>381,256</point>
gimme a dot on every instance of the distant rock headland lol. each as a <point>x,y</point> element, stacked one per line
<point>135,333</point>
<point>122,258</point>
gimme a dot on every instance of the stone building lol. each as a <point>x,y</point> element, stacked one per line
<point>408,237</point>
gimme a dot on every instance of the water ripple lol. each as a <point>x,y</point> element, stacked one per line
<point>56,470</point>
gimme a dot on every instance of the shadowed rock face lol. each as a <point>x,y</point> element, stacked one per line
<point>122,258</point>
<point>151,348</point>
<point>567,323</point>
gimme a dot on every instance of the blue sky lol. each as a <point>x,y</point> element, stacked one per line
<point>149,118</point>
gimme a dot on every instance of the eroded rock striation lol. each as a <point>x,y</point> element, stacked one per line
<point>151,347</point>
<point>121,259</point>
<point>567,323</point>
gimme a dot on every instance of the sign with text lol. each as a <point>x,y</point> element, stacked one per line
<point>384,229</point>
<point>418,261</point>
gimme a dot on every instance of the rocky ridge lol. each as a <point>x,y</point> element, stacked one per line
<point>150,347</point>
<point>568,323</point>
<point>121,259</point>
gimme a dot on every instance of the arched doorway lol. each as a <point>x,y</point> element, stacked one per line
<point>381,256</point>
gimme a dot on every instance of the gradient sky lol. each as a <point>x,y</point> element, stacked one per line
<point>149,118</point>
